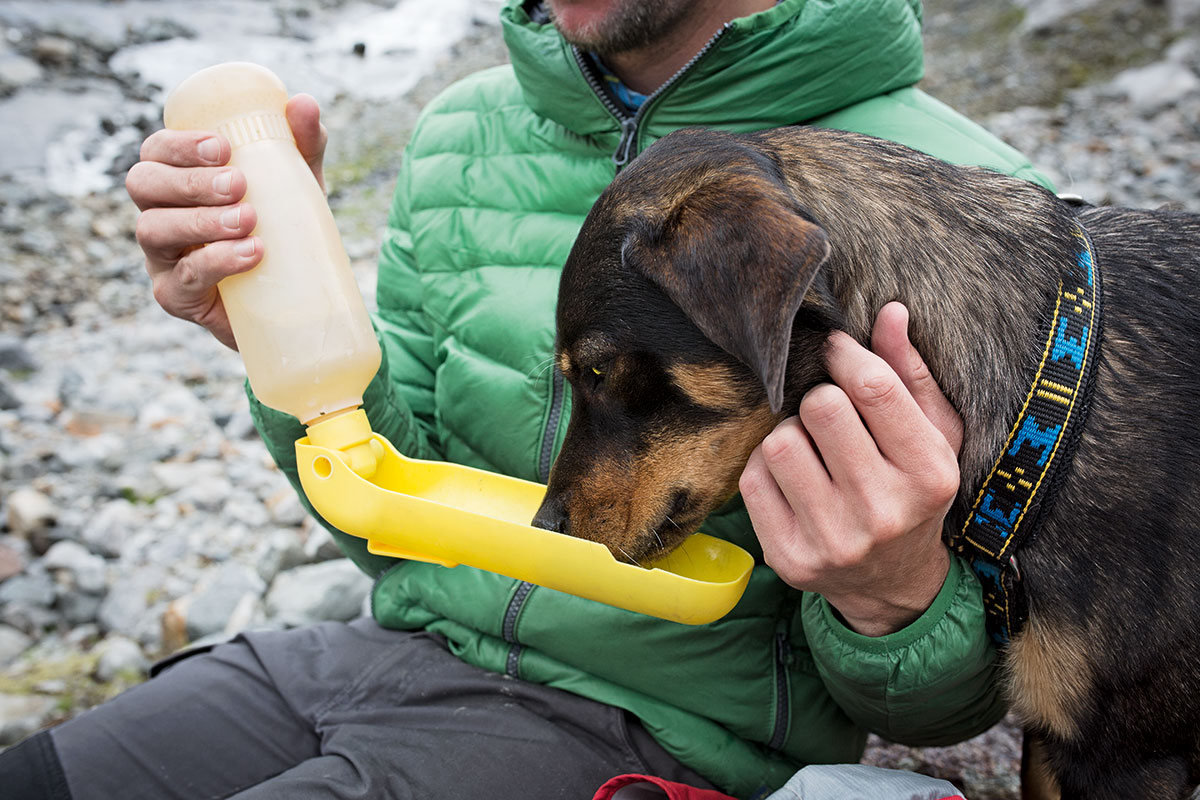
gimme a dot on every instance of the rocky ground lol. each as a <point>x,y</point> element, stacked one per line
<point>138,510</point>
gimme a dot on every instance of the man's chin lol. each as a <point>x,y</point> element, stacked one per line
<point>580,21</point>
<point>608,27</point>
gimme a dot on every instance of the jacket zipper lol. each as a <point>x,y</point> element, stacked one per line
<point>783,700</point>
<point>631,125</point>
<point>524,588</point>
<point>513,662</point>
<point>626,150</point>
<point>546,457</point>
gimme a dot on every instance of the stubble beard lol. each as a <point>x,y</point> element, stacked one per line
<point>631,25</point>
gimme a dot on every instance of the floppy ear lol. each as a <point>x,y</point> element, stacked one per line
<point>737,256</point>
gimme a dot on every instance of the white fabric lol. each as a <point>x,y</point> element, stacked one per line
<point>861,782</point>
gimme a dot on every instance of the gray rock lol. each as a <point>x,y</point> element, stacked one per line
<point>13,557</point>
<point>17,71</point>
<point>94,453</point>
<point>249,613</point>
<point>33,620</point>
<point>87,571</point>
<point>82,636</point>
<point>119,657</point>
<point>286,508</point>
<point>136,482</point>
<point>22,715</point>
<point>244,509</point>
<point>1043,14</point>
<point>176,476</point>
<point>1187,51</point>
<point>55,50</point>
<point>213,604</point>
<point>208,494</point>
<point>130,605</point>
<point>321,546</point>
<point>14,356</point>
<point>331,590</point>
<point>79,608</point>
<point>30,588</point>
<point>107,532</point>
<point>8,400</point>
<point>1185,14</point>
<point>12,643</point>
<point>240,425</point>
<point>279,550</point>
<point>159,29</point>
<point>1157,86</point>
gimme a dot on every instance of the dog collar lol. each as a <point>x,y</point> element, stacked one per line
<point>1025,477</point>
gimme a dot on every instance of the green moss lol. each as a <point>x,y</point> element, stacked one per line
<point>1094,45</point>
<point>130,495</point>
<point>74,673</point>
<point>980,58</point>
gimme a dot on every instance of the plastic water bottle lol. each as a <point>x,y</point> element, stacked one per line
<point>298,317</point>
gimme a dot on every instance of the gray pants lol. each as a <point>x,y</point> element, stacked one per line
<point>349,711</point>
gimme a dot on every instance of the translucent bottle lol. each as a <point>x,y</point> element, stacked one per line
<point>298,317</point>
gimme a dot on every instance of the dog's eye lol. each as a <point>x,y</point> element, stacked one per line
<point>596,376</point>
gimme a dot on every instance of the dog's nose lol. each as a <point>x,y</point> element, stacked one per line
<point>552,516</point>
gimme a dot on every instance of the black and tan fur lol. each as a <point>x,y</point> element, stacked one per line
<point>693,315</point>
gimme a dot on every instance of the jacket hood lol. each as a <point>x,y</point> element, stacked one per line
<point>792,63</point>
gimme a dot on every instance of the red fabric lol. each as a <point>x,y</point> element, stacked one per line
<point>675,791</point>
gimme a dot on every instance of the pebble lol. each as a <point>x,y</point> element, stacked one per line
<point>17,71</point>
<point>8,399</point>
<point>111,526</point>
<point>1185,14</point>
<point>54,50</point>
<point>332,590</point>
<point>119,657</point>
<point>81,569</point>
<point>210,607</point>
<point>30,512</point>
<point>1157,86</point>
<point>12,644</point>
<point>21,715</point>
<point>1041,14</point>
<point>34,587</point>
<point>12,557</point>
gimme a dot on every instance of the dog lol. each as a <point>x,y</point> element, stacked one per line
<point>694,311</point>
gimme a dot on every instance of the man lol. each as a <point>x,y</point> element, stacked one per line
<point>472,684</point>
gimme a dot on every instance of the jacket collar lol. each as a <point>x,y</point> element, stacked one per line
<point>792,63</point>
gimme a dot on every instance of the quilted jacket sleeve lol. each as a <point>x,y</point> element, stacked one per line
<point>931,683</point>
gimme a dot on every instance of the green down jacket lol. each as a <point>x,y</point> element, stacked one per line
<point>500,171</point>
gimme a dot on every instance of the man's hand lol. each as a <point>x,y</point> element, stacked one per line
<point>193,229</point>
<point>848,498</point>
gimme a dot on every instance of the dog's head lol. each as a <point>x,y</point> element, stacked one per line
<point>675,317</point>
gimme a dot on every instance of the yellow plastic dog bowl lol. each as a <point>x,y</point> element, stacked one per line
<point>450,514</point>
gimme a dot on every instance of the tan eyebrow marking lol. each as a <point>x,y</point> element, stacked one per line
<point>593,350</point>
<point>709,386</point>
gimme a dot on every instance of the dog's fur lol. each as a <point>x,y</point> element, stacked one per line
<point>693,315</point>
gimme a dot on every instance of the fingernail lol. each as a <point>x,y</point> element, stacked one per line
<point>232,218</point>
<point>223,182</point>
<point>209,149</point>
<point>244,248</point>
